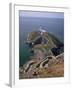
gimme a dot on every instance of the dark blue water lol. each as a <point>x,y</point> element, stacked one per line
<point>29,24</point>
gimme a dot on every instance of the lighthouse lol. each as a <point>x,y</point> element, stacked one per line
<point>42,30</point>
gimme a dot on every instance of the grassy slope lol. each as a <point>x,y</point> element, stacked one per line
<point>56,41</point>
<point>53,41</point>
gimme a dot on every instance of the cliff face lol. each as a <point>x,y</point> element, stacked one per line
<point>47,56</point>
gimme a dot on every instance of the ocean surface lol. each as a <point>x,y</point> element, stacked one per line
<point>29,24</point>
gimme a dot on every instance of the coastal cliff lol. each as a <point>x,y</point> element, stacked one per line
<point>47,58</point>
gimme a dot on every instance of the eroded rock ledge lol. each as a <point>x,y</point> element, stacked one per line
<point>50,66</point>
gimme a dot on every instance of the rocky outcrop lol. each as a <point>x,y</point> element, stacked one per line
<point>33,68</point>
<point>47,57</point>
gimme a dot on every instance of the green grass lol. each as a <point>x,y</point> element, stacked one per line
<point>55,40</point>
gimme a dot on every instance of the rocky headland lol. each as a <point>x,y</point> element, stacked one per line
<point>47,58</point>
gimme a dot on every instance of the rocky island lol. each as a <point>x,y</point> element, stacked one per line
<point>47,58</point>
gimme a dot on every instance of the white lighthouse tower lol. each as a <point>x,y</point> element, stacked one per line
<point>42,30</point>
